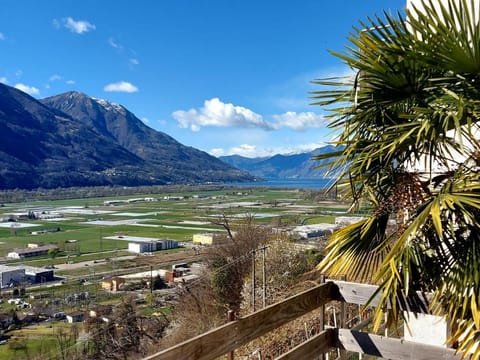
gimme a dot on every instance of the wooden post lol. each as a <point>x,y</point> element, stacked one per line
<point>264,268</point>
<point>342,322</point>
<point>360,314</point>
<point>342,310</point>
<point>230,318</point>
<point>253,279</point>
<point>322,316</point>
<point>151,279</point>
<point>386,321</point>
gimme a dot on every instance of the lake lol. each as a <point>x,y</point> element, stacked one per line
<point>320,183</point>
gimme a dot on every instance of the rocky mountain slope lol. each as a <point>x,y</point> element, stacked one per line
<point>177,162</point>
<point>74,140</point>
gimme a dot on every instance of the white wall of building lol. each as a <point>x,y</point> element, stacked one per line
<point>473,6</point>
<point>426,329</point>
<point>139,248</point>
<point>13,255</point>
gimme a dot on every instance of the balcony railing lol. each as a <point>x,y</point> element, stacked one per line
<point>225,339</point>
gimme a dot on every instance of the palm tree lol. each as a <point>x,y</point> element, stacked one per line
<point>408,125</point>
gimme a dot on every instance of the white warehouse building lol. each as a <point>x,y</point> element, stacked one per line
<point>314,230</point>
<point>140,247</point>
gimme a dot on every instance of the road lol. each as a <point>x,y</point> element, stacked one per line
<point>82,264</point>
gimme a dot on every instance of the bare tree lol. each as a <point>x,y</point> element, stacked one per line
<point>66,339</point>
<point>203,304</point>
<point>230,262</point>
<point>127,334</point>
<point>197,311</point>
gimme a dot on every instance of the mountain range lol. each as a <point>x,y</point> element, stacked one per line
<point>301,166</point>
<point>74,140</point>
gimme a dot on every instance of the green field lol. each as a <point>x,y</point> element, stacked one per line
<point>38,341</point>
<point>173,219</point>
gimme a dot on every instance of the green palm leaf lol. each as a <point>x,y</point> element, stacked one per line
<point>409,123</point>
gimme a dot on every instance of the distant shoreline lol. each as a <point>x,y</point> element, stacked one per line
<point>319,183</point>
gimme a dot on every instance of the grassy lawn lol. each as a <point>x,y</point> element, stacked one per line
<point>44,346</point>
<point>320,220</point>
<point>37,341</point>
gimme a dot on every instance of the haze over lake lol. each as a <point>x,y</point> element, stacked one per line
<point>289,183</point>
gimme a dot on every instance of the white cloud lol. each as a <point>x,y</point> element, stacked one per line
<point>54,77</point>
<point>114,44</point>
<point>245,150</point>
<point>217,152</point>
<point>75,26</point>
<point>70,82</point>
<point>145,120</point>
<point>217,113</point>
<point>121,86</point>
<point>51,79</point>
<point>125,52</point>
<point>2,36</point>
<point>3,80</point>
<point>31,90</point>
<point>299,121</point>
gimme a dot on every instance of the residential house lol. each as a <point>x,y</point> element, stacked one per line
<point>76,316</point>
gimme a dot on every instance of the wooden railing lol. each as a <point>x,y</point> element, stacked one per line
<point>227,338</point>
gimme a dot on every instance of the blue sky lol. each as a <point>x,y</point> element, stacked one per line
<point>223,76</point>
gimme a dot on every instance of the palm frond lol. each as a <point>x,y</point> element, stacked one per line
<point>409,123</point>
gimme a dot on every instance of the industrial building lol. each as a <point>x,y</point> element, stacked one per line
<point>31,251</point>
<point>139,244</point>
<point>140,247</point>
<point>11,276</point>
<point>166,244</point>
<point>314,231</point>
<point>38,275</point>
<point>207,239</point>
<point>15,275</point>
<point>127,201</point>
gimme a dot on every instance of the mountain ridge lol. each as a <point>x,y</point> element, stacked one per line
<point>159,149</point>
<point>43,146</point>
<point>283,166</point>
